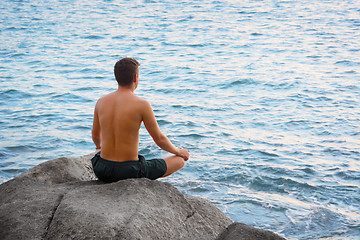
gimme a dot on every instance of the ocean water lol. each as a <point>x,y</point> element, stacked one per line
<point>265,94</point>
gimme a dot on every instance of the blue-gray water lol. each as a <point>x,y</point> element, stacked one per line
<point>264,94</point>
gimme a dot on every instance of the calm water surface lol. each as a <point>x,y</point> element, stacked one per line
<point>264,94</point>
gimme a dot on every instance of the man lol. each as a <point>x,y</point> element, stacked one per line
<point>115,133</point>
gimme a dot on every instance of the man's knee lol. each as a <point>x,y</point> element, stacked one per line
<point>181,163</point>
<point>175,162</point>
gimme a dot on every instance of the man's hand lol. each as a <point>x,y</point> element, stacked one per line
<point>184,153</point>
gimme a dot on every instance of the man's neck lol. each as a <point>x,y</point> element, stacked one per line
<point>124,89</point>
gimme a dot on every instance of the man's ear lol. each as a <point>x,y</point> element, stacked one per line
<point>136,78</point>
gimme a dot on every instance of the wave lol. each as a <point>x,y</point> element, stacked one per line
<point>239,82</point>
<point>69,97</point>
<point>13,94</point>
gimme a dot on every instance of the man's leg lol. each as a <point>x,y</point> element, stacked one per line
<point>174,164</point>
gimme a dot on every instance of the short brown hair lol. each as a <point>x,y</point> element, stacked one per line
<point>125,70</point>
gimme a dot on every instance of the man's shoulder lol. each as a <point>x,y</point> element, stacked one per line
<point>130,99</point>
<point>137,98</point>
<point>105,96</point>
<point>101,100</point>
<point>142,102</point>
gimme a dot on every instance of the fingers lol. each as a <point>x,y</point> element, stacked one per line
<point>185,154</point>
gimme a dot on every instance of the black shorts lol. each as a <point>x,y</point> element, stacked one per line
<point>112,171</point>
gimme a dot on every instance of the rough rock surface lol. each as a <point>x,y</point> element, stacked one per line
<point>63,170</point>
<point>61,199</point>
<point>240,231</point>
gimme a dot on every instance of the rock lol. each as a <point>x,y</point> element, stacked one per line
<point>27,206</point>
<point>208,212</point>
<point>59,200</point>
<point>63,170</point>
<point>131,209</point>
<point>240,231</point>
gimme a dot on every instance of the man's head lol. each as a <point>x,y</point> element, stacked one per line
<point>126,70</point>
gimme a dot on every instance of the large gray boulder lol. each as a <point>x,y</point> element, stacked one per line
<point>132,209</point>
<point>60,199</point>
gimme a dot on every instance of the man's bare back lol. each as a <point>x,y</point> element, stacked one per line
<point>117,120</point>
<point>120,115</point>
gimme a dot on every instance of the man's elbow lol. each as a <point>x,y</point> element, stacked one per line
<point>95,139</point>
<point>95,136</point>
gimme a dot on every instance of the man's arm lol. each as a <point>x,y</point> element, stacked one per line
<point>159,138</point>
<point>95,133</point>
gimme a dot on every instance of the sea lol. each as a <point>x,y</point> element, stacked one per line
<point>264,94</point>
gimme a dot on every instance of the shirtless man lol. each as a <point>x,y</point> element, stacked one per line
<point>115,133</point>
